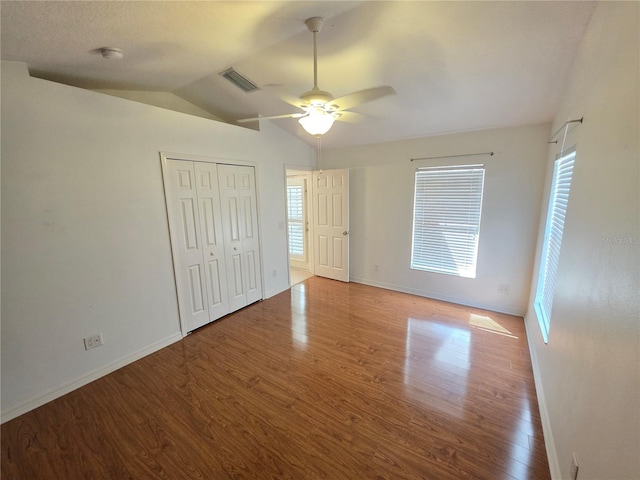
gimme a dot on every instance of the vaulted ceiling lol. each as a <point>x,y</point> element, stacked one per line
<point>455,66</point>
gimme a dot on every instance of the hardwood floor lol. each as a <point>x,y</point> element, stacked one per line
<point>298,276</point>
<point>325,381</point>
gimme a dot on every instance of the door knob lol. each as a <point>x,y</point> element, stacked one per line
<point>345,232</point>
<point>212,254</point>
<point>235,248</point>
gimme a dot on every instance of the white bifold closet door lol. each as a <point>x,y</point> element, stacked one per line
<point>240,228</point>
<point>209,283</point>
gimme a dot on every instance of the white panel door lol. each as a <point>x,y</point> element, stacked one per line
<point>240,229</point>
<point>331,224</point>
<point>206,175</point>
<point>182,206</point>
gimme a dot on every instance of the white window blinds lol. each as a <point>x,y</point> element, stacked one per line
<point>446,219</point>
<point>558,201</point>
<point>295,220</point>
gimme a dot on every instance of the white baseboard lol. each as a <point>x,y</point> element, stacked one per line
<point>273,293</point>
<point>552,454</point>
<point>460,301</point>
<point>40,400</point>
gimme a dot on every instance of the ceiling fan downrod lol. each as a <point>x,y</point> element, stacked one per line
<point>315,96</point>
<point>315,25</point>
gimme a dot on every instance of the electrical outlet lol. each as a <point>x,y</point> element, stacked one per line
<point>375,268</point>
<point>573,474</point>
<point>93,341</point>
<point>275,273</point>
<point>504,288</point>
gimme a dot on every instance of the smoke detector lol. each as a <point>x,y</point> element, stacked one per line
<point>111,53</point>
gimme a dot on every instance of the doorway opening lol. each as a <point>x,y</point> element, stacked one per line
<point>298,226</point>
<point>317,204</point>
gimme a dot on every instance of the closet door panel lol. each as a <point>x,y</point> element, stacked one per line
<point>249,232</point>
<point>195,289</point>
<point>184,215</point>
<point>212,239</point>
<point>231,229</point>
<point>217,289</point>
<point>237,277</point>
<point>242,249</point>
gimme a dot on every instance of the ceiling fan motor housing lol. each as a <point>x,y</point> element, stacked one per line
<point>316,97</point>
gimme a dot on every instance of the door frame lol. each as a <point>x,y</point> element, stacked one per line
<point>290,169</point>
<point>304,179</point>
<point>164,156</point>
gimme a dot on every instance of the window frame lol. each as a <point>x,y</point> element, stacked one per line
<point>562,179</point>
<point>430,254</point>
<point>296,217</point>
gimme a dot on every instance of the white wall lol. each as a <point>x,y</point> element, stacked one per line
<point>167,100</point>
<point>381,213</point>
<point>85,241</point>
<point>588,375</point>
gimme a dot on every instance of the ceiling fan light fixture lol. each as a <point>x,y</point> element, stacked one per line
<point>317,123</point>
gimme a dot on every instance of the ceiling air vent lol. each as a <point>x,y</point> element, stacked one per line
<point>239,81</point>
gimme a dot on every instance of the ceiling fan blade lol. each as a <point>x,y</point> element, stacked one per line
<point>291,100</point>
<point>350,117</point>
<point>363,96</point>
<point>287,115</point>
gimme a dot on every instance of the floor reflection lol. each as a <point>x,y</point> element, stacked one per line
<point>299,317</point>
<point>297,276</point>
<point>299,298</point>
<point>489,325</point>
<point>299,330</point>
<point>437,354</point>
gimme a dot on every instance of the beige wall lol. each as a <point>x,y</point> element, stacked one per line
<point>588,375</point>
<point>85,240</point>
<point>381,213</point>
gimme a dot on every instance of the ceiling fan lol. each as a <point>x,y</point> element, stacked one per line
<point>319,108</point>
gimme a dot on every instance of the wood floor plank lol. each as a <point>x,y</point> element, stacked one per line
<point>325,381</point>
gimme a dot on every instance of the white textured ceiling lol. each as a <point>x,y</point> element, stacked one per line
<point>456,66</point>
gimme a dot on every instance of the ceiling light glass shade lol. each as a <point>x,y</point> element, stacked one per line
<point>317,123</point>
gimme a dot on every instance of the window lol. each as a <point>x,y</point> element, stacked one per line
<point>558,200</point>
<point>446,219</point>
<point>295,219</point>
